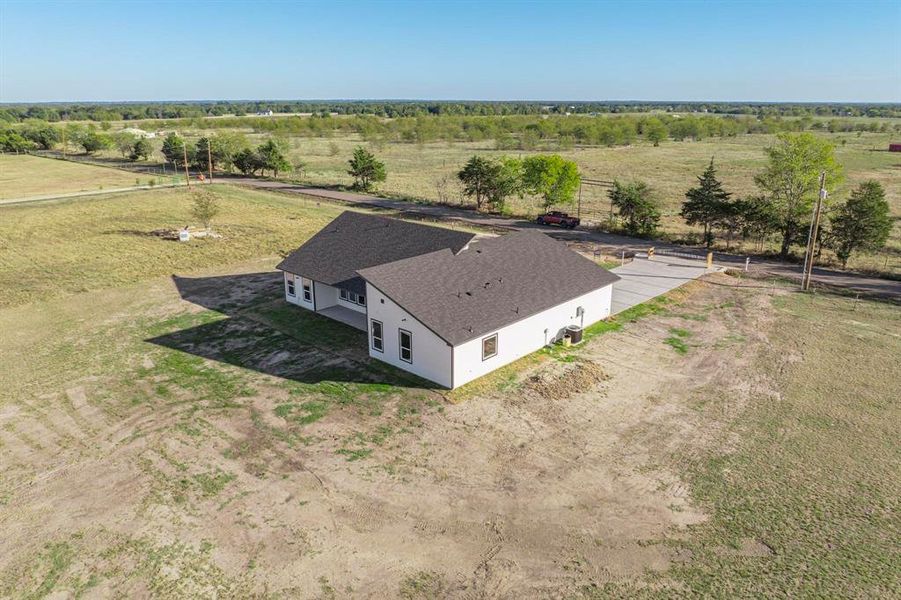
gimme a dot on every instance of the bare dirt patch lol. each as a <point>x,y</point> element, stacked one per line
<point>211,469</point>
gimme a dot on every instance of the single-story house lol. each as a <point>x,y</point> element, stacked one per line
<point>443,304</point>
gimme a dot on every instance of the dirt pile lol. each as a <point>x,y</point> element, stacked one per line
<point>574,378</point>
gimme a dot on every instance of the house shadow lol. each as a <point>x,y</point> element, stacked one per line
<point>249,324</point>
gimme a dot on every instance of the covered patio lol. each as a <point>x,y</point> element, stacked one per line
<point>345,315</point>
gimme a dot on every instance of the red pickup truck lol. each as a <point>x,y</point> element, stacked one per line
<point>558,218</point>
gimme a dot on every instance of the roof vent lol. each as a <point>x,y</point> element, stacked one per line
<point>487,283</point>
<point>469,293</point>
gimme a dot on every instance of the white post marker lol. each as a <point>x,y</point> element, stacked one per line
<point>747,262</point>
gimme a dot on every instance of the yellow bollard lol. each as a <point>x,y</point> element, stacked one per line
<point>710,260</point>
<point>651,252</point>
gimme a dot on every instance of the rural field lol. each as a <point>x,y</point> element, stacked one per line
<point>427,172</point>
<point>23,176</point>
<point>170,427</point>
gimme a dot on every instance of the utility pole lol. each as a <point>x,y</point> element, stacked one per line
<point>209,157</point>
<point>812,235</point>
<point>184,149</point>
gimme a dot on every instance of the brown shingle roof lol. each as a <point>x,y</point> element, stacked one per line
<point>354,241</point>
<point>493,283</point>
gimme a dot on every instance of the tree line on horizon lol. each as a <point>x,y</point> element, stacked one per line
<point>518,132</point>
<point>129,111</point>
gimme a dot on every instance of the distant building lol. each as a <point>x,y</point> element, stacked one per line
<point>139,132</point>
<point>264,113</point>
<point>894,147</point>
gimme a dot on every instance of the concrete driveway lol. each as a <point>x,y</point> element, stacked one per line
<point>643,279</point>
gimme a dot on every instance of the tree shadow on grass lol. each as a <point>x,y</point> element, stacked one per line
<point>252,327</point>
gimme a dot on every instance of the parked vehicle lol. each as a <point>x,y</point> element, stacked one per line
<point>556,217</point>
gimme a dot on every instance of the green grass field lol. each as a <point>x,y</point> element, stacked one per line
<point>22,176</point>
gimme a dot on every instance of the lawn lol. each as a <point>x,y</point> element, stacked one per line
<point>58,248</point>
<point>23,176</point>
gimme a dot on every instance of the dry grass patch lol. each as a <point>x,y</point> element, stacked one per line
<point>58,248</point>
<point>22,176</point>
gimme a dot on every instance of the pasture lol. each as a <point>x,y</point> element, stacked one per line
<point>170,427</point>
<point>23,176</point>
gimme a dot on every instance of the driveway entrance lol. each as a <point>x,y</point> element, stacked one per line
<point>643,279</point>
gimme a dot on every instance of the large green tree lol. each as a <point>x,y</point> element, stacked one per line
<point>272,157</point>
<point>791,180</point>
<point>124,142</point>
<point>707,204</point>
<point>636,206</point>
<point>490,181</point>
<point>552,177</point>
<point>93,141</point>
<point>41,133</point>
<point>864,222</point>
<point>366,169</point>
<point>654,130</point>
<point>174,149</point>
<point>247,161</point>
<point>141,150</point>
<point>477,176</point>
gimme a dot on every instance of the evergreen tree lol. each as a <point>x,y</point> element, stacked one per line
<point>272,157</point>
<point>864,222</point>
<point>174,150</point>
<point>707,204</point>
<point>365,169</point>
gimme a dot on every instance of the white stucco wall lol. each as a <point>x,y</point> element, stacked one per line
<point>326,295</point>
<point>297,298</point>
<point>526,336</point>
<point>431,354</point>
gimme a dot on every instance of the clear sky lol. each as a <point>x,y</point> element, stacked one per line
<point>492,50</point>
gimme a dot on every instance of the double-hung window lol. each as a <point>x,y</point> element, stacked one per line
<point>405,348</point>
<point>344,295</point>
<point>307,290</point>
<point>378,341</point>
<point>289,282</point>
<point>489,347</point>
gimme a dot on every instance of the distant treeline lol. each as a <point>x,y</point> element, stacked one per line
<point>515,132</point>
<point>530,132</point>
<point>129,111</point>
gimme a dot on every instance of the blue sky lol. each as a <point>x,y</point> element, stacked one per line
<point>652,50</point>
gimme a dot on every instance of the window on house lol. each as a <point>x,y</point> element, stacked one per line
<point>406,345</point>
<point>289,282</point>
<point>308,291</point>
<point>489,346</point>
<point>361,299</point>
<point>344,294</point>
<point>377,339</point>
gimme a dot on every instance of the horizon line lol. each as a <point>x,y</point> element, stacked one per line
<point>445,100</point>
